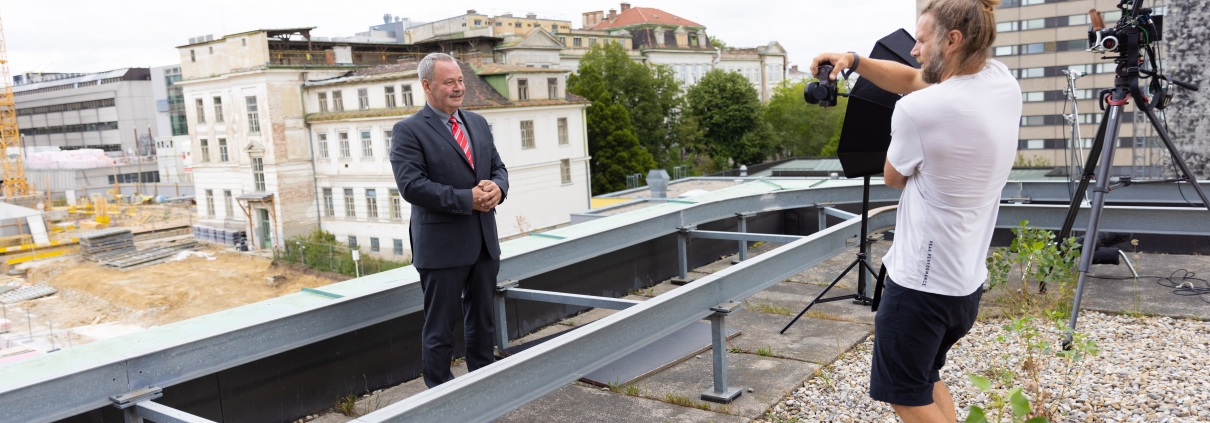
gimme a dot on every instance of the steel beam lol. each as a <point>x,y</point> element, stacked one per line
<point>1130,219</point>
<point>159,413</point>
<point>570,299</point>
<point>503,386</point>
<point>840,213</point>
<point>744,237</point>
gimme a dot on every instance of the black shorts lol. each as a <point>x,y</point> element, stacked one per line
<point>912,333</point>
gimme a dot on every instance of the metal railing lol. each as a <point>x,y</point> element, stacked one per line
<point>65,384</point>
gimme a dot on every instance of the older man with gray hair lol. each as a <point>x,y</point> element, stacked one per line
<point>447,168</point>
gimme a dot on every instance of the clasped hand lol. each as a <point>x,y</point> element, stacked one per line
<point>485,196</point>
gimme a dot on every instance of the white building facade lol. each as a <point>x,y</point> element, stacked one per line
<point>101,110</point>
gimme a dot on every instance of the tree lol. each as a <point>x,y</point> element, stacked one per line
<point>720,44</point>
<point>801,129</point>
<point>728,112</point>
<point>650,94</point>
<point>612,141</point>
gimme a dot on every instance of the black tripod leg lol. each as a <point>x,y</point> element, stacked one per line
<point>1113,122</point>
<point>1176,156</point>
<point>821,294</point>
<point>1090,167</point>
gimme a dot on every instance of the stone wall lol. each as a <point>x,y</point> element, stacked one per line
<point>1187,44</point>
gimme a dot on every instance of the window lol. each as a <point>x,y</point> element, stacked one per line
<point>563,41</point>
<point>258,173</point>
<point>1005,51</point>
<point>1106,68</point>
<point>374,244</point>
<point>1033,96</point>
<point>565,170</point>
<point>1033,120</point>
<point>576,42</point>
<point>396,205</point>
<point>518,24</point>
<point>1035,144</point>
<point>386,140</point>
<point>343,137</point>
<point>367,146</point>
<point>1086,69</point>
<point>478,22</point>
<point>222,150</point>
<point>192,57</point>
<point>522,89</point>
<point>253,117</point>
<point>1033,72</point>
<point>323,145</point>
<point>323,102</point>
<point>349,211</point>
<point>390,96</point>
<point>230,203</point>
<point>210,203</point>
<point>1083,94</point>
<point>527,134</point>
<point>218,110</point>
<point>592,41</point>
<point>243,42</point>
<point>1089,118</point>
<point>1074,20</point>
<point>1111,17</point>
<point>1031,2</point>
<point>1034,48</point>
<point>1006,26</point>
<point>1033,24</point>
<point>329,208</point>
<point>562,131</point>
<point>205,150</point>
<point>407,96</point>
<point>201,111</point>
<point>353,242</point>
<point>211,49</point>
<point>372,204</point>
<point>363,99</point>
<point>338,101</point>
<point>552,88</point>
<point>398,246</point>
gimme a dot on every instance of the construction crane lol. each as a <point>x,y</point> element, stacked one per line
<point>12,169</point>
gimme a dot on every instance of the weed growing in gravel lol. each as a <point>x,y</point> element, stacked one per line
<point>1011,402</point>
<point>685,401</point>
<point>1034,256</point>
<point>347,405</point>
<point>764,352</point>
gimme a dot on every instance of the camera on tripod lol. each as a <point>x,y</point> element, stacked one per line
<point>824,91</point>
<point>1136,21</point>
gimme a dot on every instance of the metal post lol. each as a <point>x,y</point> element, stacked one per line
<point>131,415</point>
<point>682,253</point>
<point>742,227</point>
<point>52,335</point>
<point>500,316</point>
<point>718,334</point>
<point>823,217</point>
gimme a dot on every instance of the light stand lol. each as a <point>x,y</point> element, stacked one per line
<point>862,259</point>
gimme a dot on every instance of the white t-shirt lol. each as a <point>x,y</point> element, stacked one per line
<point>956,142</point>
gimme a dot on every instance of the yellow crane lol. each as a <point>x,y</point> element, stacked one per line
<point>12,169</point>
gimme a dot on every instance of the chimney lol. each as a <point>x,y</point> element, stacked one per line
<point>613,14</point>
<point>657,182</point>
<point>625,6</point>
<point>386,18</point>
<point>531,16</point>
<point>591,19</point>
<point>470,11</point>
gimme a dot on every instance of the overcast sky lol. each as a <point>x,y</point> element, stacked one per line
<point>94,36</point>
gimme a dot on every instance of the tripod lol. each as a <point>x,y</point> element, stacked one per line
<point>862,260</point>
<point>1126,87</point>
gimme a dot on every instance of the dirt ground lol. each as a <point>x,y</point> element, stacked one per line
<point>162,293</point>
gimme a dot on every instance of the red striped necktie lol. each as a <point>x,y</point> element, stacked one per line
<point>461,137</point>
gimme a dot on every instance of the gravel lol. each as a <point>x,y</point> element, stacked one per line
<point>1150,369</point>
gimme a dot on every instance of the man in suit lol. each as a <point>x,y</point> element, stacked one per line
<point>447,168</point>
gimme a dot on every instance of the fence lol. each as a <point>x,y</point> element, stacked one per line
<point>332,258</point>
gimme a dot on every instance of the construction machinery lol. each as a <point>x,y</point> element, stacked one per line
<point>12,169</point>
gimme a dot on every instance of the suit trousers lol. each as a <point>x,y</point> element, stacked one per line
<point>448,291</point>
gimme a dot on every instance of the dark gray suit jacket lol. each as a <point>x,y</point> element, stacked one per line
<point>434,176</point>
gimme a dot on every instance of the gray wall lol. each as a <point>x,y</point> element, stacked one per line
<point>1186,32</point>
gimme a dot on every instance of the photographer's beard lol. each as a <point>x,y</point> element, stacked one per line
<point>933,70</point>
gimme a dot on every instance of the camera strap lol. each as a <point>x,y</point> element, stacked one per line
<point>881,283</point>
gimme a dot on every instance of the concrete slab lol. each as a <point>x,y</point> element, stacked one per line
<point>659,355</point>
<point>769,378</point>
<point>1118,292</point>
<point>791,297</point>
<point>815,340</point>
<point>581,403</point>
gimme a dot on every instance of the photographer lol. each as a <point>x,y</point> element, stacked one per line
<point>953,143</point>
